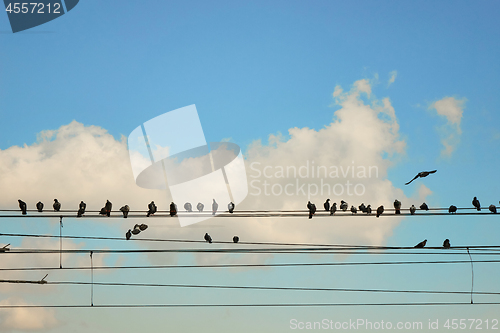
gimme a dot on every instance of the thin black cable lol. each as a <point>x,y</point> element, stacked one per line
<point>92,280</point>
<point>60,241</point>
<point>472,272</point>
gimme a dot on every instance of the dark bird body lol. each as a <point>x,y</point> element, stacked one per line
<point>424,206</point>
<point>421,175</point>
<point>369,209</point>
<point>188,207</point>
<point>125,209</point>
<point>312,209</point>
<point>208,238</point>
<point>493,209</point>
<point>380,210</point>
<point>354,210</point>
<point>39,206</point>
<point>362,208</point>
<point>230,207</point>
<point>56,205</point>
<point>397,206</point>
<point>343,205</point>
<point>200,207</point>
<point>108,207</point>
<point>23,206</point>
<point>476,204</point>
<point>333,209</point>
<point>173,209</point>
<point>421,244</point>
<point>128,234</point>
<point>326,205</point>
<point>236,239</point>
<point>151,209</point>
<point>413,209</point>
<point>452,209</point>
<point>446,243</point>
<point>215,206</point>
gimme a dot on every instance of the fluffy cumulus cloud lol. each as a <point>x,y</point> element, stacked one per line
<point>452,110</point>
<point>392,77</point>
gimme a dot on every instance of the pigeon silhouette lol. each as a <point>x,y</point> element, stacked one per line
<point>397,206</point>
<point>82,206</point>
<point>108,207</point>
<point>421,244</point>
<point>215,206</point>
<point>421,175</point>
<point>103,211</point>
<point>354,210</point>
<point>152,208</point>
<point>343,205</point>
<point>493,209</point>
<point>143,227</point>
<point>326,205</point>
<point>476,204</point>
<point>362,208</point>
<point>452,209</point>
<point>413,209</point>
<point>236,239</point>
<point>312,209</point>
<point>200,207</point>
<point>369,209</point>
<point>380,210</point>
<point>230,207</point>
<point>39,206</point>
<point>424,206</point>
<point>136,230</point>
<point>125,209</point>
<point>446,243</point>
<point>188,207</point>
<point>208,238</point>
<point>56,205</point>
<point>23,206</point>
<point>173,209</point>
<point>80,212</point>
<point>333,209</point>
<point>128,234</point>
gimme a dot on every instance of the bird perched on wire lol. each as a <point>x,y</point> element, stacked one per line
<point>369,209</point>
<point>362,208</point>
<point>80,212</point>
<point>446,243</point>
<point>56,205</point>
<point>424,206</point>
<point>452,209</point>
<point>343,205</point>
<point>413,209</point>
<point>397,206</point>
<point>200,207</point>
<point>125,209</point>
<point>188,207</point>
<point>103,211</point>
<point>421,175</point>
<point>39,206</point>
<point>354,210</point>
<point>333,209</point>
<point>312,209</point>
<point>23,206</point>
<point>173,209</point>
<point>476,204</point>
<point>421,244</point>
<point>82,206</point>
<point>326,205</point>
<point>208,238</point>
<point>380,210</point>
<point>493,209</point>
<point>108,207</point>
<point>128,234</point>
<point>230,207</point>
<point>236,239</point>
<point>215,206</point>
<point>151,209</point>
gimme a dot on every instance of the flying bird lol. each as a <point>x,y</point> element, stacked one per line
<point>326,205</point>
<point>208,238</point>
<point>380,210</point>
<point>397,206</point>
<point>215,206</point>
<point>128,234</point>
<point>493,209</point>
<point>151,209</point>
<point>424,206</point>
<point>173,209</point>
<point>413,209</point>
<point>143,226</point>
<point>343,205</point>
<point>23,206</point>
<point>200,207</point>
<point>136,230</point>
<point>56,205</point>
<point>108,207</point>
<point>354,210</point>
<point>125,209</point>
<point>421,175</point>
<point>188,207</point>
<point>452,209</point>
<point>446,243</point>
<point>476,204</point>
<point>421,244</point>
<point>39,206</point>
<point>236,239</point>
<point>333,209</point>
<point>230,207</point>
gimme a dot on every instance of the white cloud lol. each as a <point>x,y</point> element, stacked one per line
<point>25,319</point>
<point>392,77</point>
<point>452,109</point>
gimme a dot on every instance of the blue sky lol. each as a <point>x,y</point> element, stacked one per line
<point>259,68</point>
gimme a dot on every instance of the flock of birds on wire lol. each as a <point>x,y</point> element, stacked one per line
<point>152,209</point>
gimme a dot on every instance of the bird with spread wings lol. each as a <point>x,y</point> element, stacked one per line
<point>421,175</point>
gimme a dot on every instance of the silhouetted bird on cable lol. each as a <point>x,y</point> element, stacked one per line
<point>333,209</point>
<point>413,209</point>
<point>208,238</point>
<point>125,209</point>
<point>82,206</point>
<point>362,208</point>
<point>173,209</point>
<point>326,205</point>
<point>354,210</point>
<point>446,243</point>
<point>230,207</point>
<point>452,209</point>
<point>493,209</point>
<point>108,207</point>
<point>236,239</point>
<point>421,244</point>
<point>128,234</point>
<point>343,205</point>
<point>39,206</point>
<point>23,206</point>
<point>103,211</point>
<point>200,207</point>
<point>188,207</point>
<point>215,206</point>
<point>151,209</point>
<point>397,206</point>
<point>476,204</point>
<point>80,212</point>
<point>380,210</point>
<point>56,205</point>
<point>424,206</point>
<point>421,175</point>
<point>369,209</point>
<point>312,209</point>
